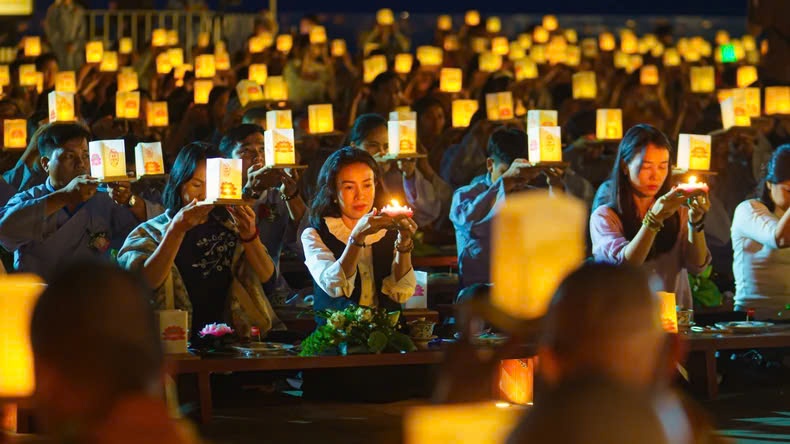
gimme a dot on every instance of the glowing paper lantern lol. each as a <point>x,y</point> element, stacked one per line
<point>516,377</point>
<point>609,124</point>
<point>285,42</point>
<point>66,81</point>
<point>403,63</point>
<point>176,56</point>
<point>738,107</point>
<point>702,79</point>
<point>256,44</point>
<point>540,35</point>
<point>373,66</point>
<point>629,43</point>
<point>430,55</point>
<point>180,72</point>
<point>499,106</point>
<point>556,51</point>
<point>584,86</point>
<point>204,66</point>
<point>722,37</point>
<point>159,37</point>
<point>109,62</point>
<point>14,133</point>
<point>590,48</point>
<point>472,18</point>
<point>517,52</point>
<point>249,91</point>
<point>221,61</point>
<point>279,119</point>
<point>726,54</point>
<point>538,53</point>
<point>320,119</point>
<point>157,114</point>
<point>127,105</point>
<point>777,100</point>
<point>451,80</point>
<point>451,43</point>
<point>317,35</point>
<point>275,88</point>
<point>550,22</point>
<point>571,36</point>
<point>27,75</point>
<point>606,41</point>
<point>125,45</point>
<point>671,57</point>
<point>479,45</point>
<point>648,75</point>
<point>223,181</point>
<point>148,159</point>
<point>108,160</point>
<point>541,117</point>
<point>94,50</point>
<point>172,37</point>
<point>525,40</point>
<point>753,105</point>
<point>444,23</point>
<point>526,69</point>
<point>18,296</point>
<point>669,315</point>
<point>746,75</point>
<point>32,46</point>
<point>61,106</point>
<point>621,60</point>
<point>545,144</point>
<point>369,48</point>
<point>573,55</point>
<point>480,423</point>
<point>258,73</point>
<point>403,113</point>
<point>5,76</point>
<point>500,45</point>
<point>723,94</point>
<point>163,65</point>
<point>385,17</point>
<point>402,135</point>
<point>338,48</point>
<point>490,62</point>
<point>728,113</point>
<point>462,111</point>
<point>203,39</point>
<point>657,50</point>
<point>749,44</point>
<point>202,89</point>
<point>279,147</point>
<point>634,63</point>
<point>694,152</point>
<point>493,25</point>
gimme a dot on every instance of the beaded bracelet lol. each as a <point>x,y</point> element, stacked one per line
<point>651,223</point>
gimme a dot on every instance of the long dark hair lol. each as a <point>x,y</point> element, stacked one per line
<point>183,169</point>
<point>776,171</point>
<point>324,203</point>
<point>621,197</point>
<point>363,125</point>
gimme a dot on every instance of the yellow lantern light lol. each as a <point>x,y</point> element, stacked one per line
<point>176,56</point>
<point>643,48</point>
<point>125,45</point>
<point>609,124</point>
<point>648,75</point>
<point>481,423</point>
<point>557,50</point>
<point>517,52</point>
<point>221,61</point>
<point>526,68</point>
<point>777,100</point>
<point>493,25</point>
<point>538,54</point>
<point>108,160</point>
<point>163,65</point>
<point>739,106</point>
<point>27,75</point>
<point>249,91</point>
<point>172,37</point>
<point>157,114</point>
<point>402,113</point>
<point>32,46</point>
<point>403,63</point>
<point>223,181</point>
<point>159,37</point>
<point>279,119</point>
<point>385,17</point>
<point>279,147</point>
<point>127,105</point>
<point>723,94</point>
<point>202,90</point>
<point>472,18</point>
<point>571,36</point>
<point>15,134</point>
<point>691,55</point>
<point>275,89</point>
<point>258,72</point>
<point>516,380</point>
<point>109,62</point>
<point>285,42</point>
<point>753,106</point>
<point>545,144</point>
<point>94,50</point>
<point>749,44</point>
<point>18,296</point>
<point>740,51</point>
<point>657,50</point>
<point>671,57</point>
<point>479,45</point>
<point>148,159</point>
<point>746,75</point>
<point>430,55</point>
<point>255,44</point>
<point>694,152</point>
<point>668,306</point>
<point>584,86</point>
<point>722,37</point>
<point>320,119</point>
<point>203,39</point>
<point>338,48</point>
<point>444,23</point>
<point>525,40</point>
<point>590,48</point>
<point>540,35</point>
<point>541,117</point>
<point>61,106</point>
<point>451,43</point>
<point>66,81</point>
<point>317,35</point>
<point>573,55</point>
<point>606,41</point>
<point>499,106</point>
<point>5,76</point>
<point>702,79</point>
<point>180,72</point>
<point>650,40</point>
<point>373,66</point>
<point>490,62</point>
<point>402,135</point>
<point>550,22</point>
<point>451,80</point>
<point>629,43</point>
<point>369,48</point>
<point>500,45</point>
<point>462,111</point>
<point>205,67</point>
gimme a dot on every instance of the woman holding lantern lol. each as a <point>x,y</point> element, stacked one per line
<point>647,222</point>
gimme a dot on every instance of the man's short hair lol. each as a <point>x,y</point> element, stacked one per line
<point>506,145</point>
<point>254,114</point>
<point>57,134</point>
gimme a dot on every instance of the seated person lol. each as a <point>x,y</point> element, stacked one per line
<point>354,253</point>
<point>760,241</point>
<point>109,391</point>
<point>475,205</point>
<point>65,218</point>
<point>204,259</point>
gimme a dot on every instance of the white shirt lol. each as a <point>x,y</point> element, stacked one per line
<point>327,272</point>
<point>761,268</point>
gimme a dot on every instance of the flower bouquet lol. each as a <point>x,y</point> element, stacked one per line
<point>214,337</point>
<point>357,330</point>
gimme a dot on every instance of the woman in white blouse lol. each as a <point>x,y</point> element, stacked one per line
<point>354,254</point>
<point>760,240</point>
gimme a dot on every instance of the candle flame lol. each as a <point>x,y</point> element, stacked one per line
<point>692,179</point>
<point>395,203</point>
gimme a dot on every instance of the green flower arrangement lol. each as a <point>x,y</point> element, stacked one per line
<point>357,330</point>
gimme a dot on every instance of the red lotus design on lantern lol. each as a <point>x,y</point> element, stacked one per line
<point>174,333</point>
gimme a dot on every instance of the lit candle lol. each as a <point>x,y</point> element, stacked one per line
<point>692,186</point>
<point>395,210</point>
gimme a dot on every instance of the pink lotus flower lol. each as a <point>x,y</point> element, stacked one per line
<point>216,330</point>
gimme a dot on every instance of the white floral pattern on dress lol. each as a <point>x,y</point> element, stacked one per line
<point>217,254</point>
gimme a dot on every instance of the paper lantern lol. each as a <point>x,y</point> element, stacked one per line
<point>571,36</point>
<point>573,55</point>
<point>777,100</point>
<point>5,76</point>
<point>163,65</point>
<point>609,124</point>
<point>285,42</point>
<point>451,43</point>
<point>648,75</point>
<point>403,63</point>
<point>621,60</point>
<point>172,37</point>
<point>527,269</point>
<point>753,106</point>
<point>18,296</point>
<point>402,136</point>
<point>127,105</point>
<point>94,50</point>
<point>176,56</point>
<point>202,90</point>
<point>479,423</point>
<point>317,35</point>
<point>691,55</point>
<point>694,152</point>
<point>180,72</point>
<point>255,44</point>
<point>606,41</point>
<point>584,86</point>
<point>657,50</point>
<point>451,80</point>
<point>66,81</point>
<point>538,53</point>
<point>279,147</point>
<point>159,37</point>
<point>472,18</point>
<point>722,37</point>
<point>61,106</point>
<point>430,55</point>
<point>493,25</point>
<point>402,113</point>
<point>668,307</point>
<point>275,89</point>
<point>749,44</point>
<point>127,81</point>
<point>373,66</point>
<point>203,40</point>
<point>634,63</point>
<point>462,111</point>
<point>385,17</point>
<point>125,45</point>
<point>369,47</point>
<point>479,45</point>
<point>723,94</point>
<point>525,40</point>
<point>32,46</point>
<point>516,380</point>
<point>728,113</point>
<point>109,62</point>
<point>490,62</point>
<point>702,79</point>
<point>249,91</point>
<point>15,133</point>
<point>556,51</point>
<point>157,114</point>
<point>258,72</point>
<point>590,48</point>
<point>444,23</point>
<point>27,75</point>
<point>735,110</point>
<point>746,75</point>
<point>148,159</point>
<point>629,43</point>
<point>320,119</point>
<point>222,61</point>
<point>204,66</point>
<point>540,35</point>
<point>173,330</point>
<point>223,181</point>
<point>671,57</point>
<point>500,45</point>
<point>108,160</point>
<point>541,117</point>
<point>279,119</point>
<point>338,48</point>
<point>545,144</point>
<point>499,106</point>
<point>525,69</point>
<point>516,52</point>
